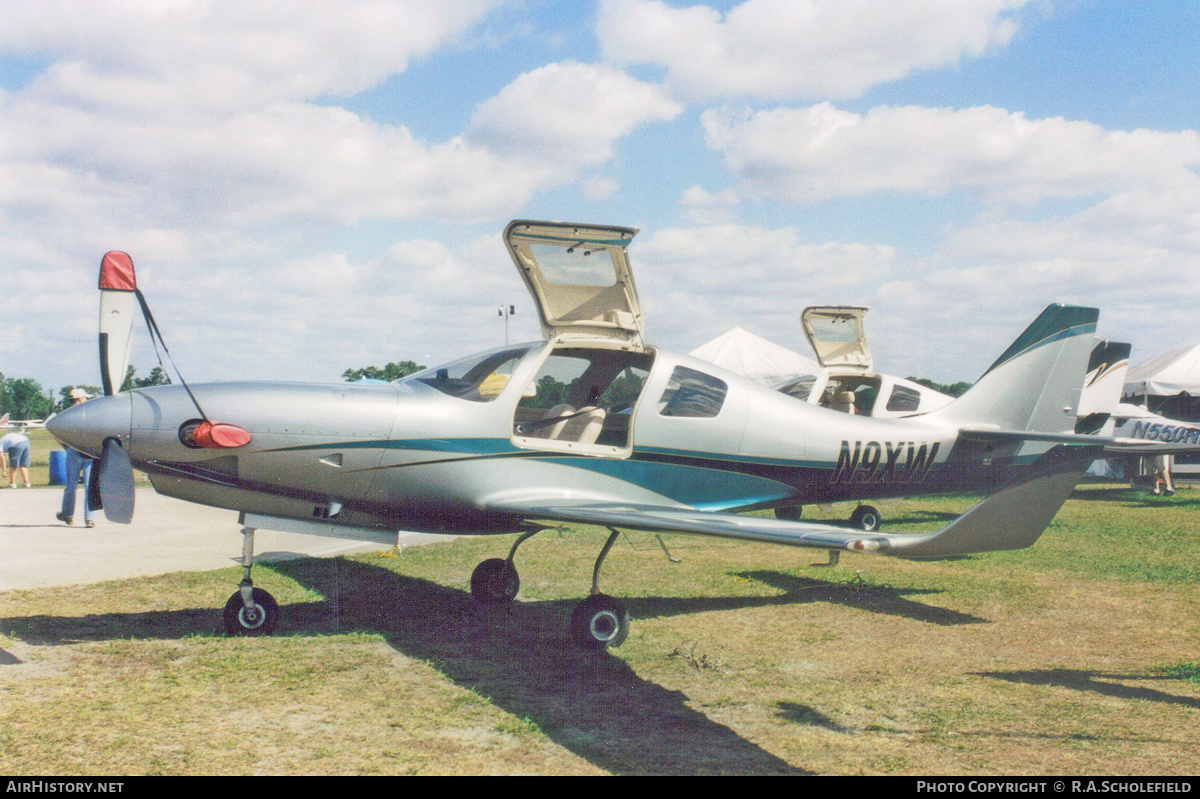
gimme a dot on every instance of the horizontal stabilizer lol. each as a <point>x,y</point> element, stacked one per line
<point>1188,443</point>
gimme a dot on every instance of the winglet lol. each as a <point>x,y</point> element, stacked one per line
<point>1012,518</point>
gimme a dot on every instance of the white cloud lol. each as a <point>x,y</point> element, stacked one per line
<point>811,154</point>
<point>793,49</point>
<point>200,139</point>
<point>293,159</point>
<point>600,187</point>
<point>191,55</point>
<point>702,207</point>
<point>698,282</point>
<point>567,113</point>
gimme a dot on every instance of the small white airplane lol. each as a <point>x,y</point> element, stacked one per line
<point>589,426</point>
<point>848,381</point>
<point>845,380</point>
<point>21,424</point>
<point>1102,411</point>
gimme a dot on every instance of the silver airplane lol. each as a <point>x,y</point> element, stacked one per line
<point>590,426</point>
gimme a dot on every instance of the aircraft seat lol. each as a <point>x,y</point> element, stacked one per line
<point>584,427</point>
<point>555,430</point>
<point>843,401</point>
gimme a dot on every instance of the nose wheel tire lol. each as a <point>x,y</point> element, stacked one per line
<point>866,517</point>
<point>495,581</point>
<point>600,622</point>
<point>261,619</point>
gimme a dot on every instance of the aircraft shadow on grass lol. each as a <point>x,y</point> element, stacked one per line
<point>1096,682</point>
<point>519,657</point>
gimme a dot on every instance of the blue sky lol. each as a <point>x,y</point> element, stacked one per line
<point>307,187</point>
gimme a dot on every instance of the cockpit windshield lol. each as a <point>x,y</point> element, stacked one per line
<point>479,378</point>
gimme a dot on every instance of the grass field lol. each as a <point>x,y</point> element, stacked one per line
<point>1079,655</point>
<point>41,444</point>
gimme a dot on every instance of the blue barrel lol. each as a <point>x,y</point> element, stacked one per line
<point>58,467</point>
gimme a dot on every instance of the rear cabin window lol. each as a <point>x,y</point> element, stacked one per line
<point>692,393</point>
<point>904,400</point>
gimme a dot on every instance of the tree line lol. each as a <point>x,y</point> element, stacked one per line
<point>25,398</point>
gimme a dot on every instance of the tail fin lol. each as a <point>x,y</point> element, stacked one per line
<point>1103,385</point>
<point>1035,384</point>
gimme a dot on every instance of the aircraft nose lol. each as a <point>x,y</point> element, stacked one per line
<point>85,426</point>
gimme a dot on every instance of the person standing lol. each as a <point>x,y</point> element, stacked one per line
<point>14,456</point>
<point>78,465</point>
<point>1160,467</point>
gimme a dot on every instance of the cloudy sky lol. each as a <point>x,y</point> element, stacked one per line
<point>311,186</point>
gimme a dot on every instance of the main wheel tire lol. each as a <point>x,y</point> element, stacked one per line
<point>262,619</point>
<point>790,513</point>
<point>600,622</point>
<point>494,581</point>
<point>866,517</point>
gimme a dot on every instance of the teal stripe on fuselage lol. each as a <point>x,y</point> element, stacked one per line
<point>702,483</point>
<point>708,489</point>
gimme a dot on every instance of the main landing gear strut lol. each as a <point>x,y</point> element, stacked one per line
<point>598,622</point>
<point>250,611</point>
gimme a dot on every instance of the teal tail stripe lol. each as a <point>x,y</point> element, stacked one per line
<point>1053,324</point>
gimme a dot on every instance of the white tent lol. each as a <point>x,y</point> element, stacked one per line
<point>1166,374</point>
<point>744,353</point>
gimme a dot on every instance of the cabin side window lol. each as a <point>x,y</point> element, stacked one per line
<point>904,400</point>
<point>692,393</point>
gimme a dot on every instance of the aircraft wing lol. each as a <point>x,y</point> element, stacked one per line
<point>1011,518</point>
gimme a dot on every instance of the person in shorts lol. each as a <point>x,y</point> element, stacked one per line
<point>14,456</point>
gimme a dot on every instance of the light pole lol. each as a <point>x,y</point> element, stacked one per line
<point>506,312</point>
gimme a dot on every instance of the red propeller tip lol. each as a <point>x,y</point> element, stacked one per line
<point>116,272</point>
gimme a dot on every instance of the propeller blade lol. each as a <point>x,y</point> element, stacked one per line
<point>94,501</point>
<point>118,299</point>
<point>113,475</point>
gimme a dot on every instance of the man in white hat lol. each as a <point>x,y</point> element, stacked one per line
<point>78,465</point>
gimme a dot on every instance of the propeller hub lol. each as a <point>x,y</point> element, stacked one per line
<point>85,426</point>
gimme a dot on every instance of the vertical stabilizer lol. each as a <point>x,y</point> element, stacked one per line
<point>1035,385</point>
<point>1103,385</point>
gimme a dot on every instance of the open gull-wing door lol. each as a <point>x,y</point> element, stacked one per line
<point>837,336</point>
<point>579,276</point>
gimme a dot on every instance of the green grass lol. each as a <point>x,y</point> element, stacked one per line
<point>1077,655</point>
<point>41,444</point>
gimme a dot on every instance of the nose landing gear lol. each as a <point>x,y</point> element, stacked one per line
<point>250,611</point>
